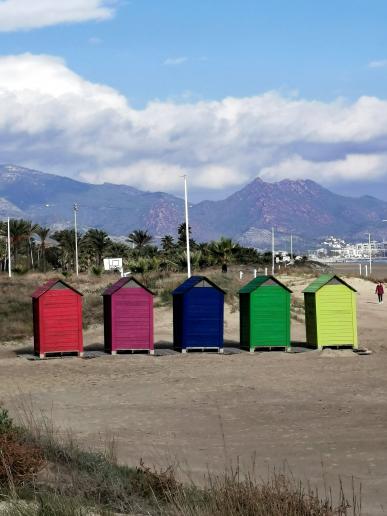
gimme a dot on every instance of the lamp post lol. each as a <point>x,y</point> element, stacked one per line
<point>370,252</point>
<point>187,226</point>
<point>9,248</point>
<point>272,252</point>
<point>76,208</point>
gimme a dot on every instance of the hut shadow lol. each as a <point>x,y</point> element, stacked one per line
<point>166,347</point>
<point>27,350</point>
<point>298,346</point>
<point>164,344</point>
<point>302,344</point>
<point>94,346</point>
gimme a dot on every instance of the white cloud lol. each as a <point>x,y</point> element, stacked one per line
<point>175,61</point>
<point>54,120</point>
<point>382,63</point>
<point>95,41</point>
<point>353,166</point>
<point>33,14</point>
<point>150,174</point>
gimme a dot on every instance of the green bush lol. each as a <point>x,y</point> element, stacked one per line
<point>97,271</point>
<point>6,423</point>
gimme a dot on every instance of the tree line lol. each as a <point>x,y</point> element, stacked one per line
<point>37,248</point>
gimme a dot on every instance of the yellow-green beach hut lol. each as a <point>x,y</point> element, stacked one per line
<point>330,312</point>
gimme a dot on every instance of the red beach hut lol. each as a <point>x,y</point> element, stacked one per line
<point>128,317</point>
<point>57,312</point>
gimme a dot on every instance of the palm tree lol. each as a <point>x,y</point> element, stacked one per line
<point>20,232</point>
<point>224,250</point>
<point>66,241</point>
<point>140,238</point>
<point>42,233</point>
<point>182,238</point>
<point>118,249</point>
<point>3,249</point>
<point>98,241</point>
<point>167,243</point>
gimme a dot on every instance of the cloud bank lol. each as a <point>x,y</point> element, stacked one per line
<point>175,61</point>
<point>54,120</point>
<point>33,14</point>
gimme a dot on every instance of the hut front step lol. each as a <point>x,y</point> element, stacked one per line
<point>337,346</point>
<point>186,350</point>
<point>131,351</point>
<point>286,349</point>
<point>61,354</point>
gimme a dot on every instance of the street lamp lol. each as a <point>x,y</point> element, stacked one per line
<point>272,252</point>
<point>187,226</point>
<point>76,208</point>
<point>9,248</point>
<point>370,251</point>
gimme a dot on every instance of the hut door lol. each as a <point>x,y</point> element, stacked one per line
<point>132,315</point>
<point>61,319</point>
<point>204,316</point>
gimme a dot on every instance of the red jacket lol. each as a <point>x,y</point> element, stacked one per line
<point>379,289</point>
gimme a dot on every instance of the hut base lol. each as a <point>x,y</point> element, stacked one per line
<point>131,351</point>
<point>286,349</point>
<point>186,350</point>
<point>54,354</point>
<point>337,346</point>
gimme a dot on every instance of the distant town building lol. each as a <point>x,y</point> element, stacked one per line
<point>338,249</point>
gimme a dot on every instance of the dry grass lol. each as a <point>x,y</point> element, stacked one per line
<point>16,303</point>
<point>19,460</point>
<point>84,482</point>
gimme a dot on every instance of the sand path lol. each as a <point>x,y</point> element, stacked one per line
<point>323,413</point>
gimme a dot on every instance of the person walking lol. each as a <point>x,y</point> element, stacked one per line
<point>379,291</point>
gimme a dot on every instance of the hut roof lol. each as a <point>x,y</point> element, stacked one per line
<point>258,282</point>
<point>49,285</point>
<point>192,282</point>
<point>122,282</point>
<point>323,280</point>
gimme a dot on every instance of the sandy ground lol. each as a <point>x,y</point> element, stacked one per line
<point>321,414</point>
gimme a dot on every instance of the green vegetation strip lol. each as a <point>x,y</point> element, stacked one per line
<point>43,475</point>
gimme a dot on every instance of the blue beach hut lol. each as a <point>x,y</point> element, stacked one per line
<point>198,315</point>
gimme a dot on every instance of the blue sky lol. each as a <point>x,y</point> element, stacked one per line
<point>141,91</point>
<point>322,49</point>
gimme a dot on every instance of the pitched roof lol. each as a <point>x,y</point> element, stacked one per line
<point>323,280</point>
<point>48,286</point>
<point>192,282</point>
<point>258,282</point>
<point>120,283</point>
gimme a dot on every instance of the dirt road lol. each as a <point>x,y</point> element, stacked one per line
<point>323,413</point>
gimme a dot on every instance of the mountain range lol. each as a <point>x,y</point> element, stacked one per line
<point>302,207</point>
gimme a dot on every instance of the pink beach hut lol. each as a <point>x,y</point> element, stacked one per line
<point>128,317</point>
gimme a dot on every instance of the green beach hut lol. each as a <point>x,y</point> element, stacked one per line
<point>264,314</point>
<point>330,312</point>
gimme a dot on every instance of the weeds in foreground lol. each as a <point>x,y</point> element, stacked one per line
<point>80,483</point>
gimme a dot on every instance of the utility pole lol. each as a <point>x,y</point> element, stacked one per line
<point>272,252</point>
<point>187,226</point>
<point>76,208</point>
<point>9,248</point>
<point>370,252</point>
<point>291,246</point>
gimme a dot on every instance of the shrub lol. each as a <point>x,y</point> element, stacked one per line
<point>19,461</point>
<point>6,423</point>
